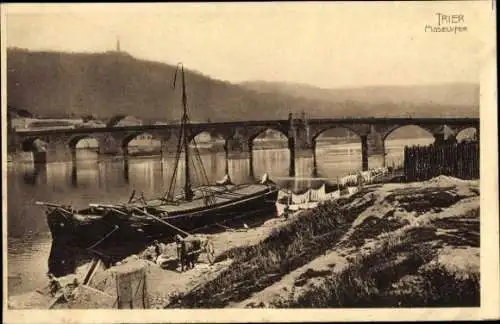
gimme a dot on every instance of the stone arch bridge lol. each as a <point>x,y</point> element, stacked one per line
<point>60,144</point>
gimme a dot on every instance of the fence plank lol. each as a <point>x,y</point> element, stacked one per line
<point>459,160</point>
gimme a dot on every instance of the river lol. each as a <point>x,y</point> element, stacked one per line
<point>93,179</point>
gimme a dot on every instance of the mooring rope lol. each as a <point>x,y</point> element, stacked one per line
<point>102,239</point>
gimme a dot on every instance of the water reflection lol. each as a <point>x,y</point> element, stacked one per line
<point>64,259</point>
<point>37,176</point>
<point>126,170</point>
<point>94,178</point>
<point>74,176</point>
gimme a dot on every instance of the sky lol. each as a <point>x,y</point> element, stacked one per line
<point>325,44</point>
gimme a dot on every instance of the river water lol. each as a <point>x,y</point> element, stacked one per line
<point>94,179</point>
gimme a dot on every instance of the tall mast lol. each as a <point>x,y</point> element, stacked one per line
<point>187,186</point>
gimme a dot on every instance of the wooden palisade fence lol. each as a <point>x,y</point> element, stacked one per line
<point>458,160</point>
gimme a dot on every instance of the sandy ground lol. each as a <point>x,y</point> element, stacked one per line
<point>461,259</point>
<point>163,283</point>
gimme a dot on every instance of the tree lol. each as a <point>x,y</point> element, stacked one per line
<point>87,118</point>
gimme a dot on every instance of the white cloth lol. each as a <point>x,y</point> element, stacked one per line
<point>318,194</point>
<point>265,178</point>
<point>300,199</point>
<point>225,181</point>
<point>333,195</point>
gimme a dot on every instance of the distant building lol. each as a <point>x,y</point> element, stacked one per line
<point>129,121</point>
<point>203,137</point>
<point>91,124</point>
<point>20,124</point>
<point>144,137</point>
<point>270,134</point>
<point>145,140</point>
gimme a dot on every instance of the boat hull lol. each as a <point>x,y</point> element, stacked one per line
<point>109,229</point>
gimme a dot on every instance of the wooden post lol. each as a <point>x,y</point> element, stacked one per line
<point>291,147</point>
<point>250,158</point>
<point>364,152</point>
<point>226,151</point>
<point>315,163</point>
<point>131,288</point>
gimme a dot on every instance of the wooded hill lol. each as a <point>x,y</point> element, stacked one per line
<point>61,85</point>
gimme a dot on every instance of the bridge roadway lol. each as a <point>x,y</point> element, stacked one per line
<point>60,144</point>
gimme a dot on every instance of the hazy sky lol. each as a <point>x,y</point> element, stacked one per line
<point>323,44</point>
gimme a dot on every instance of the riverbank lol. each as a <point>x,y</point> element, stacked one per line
<point>389,245</point>
<point>417,245</point>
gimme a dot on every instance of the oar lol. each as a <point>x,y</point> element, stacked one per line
<point>161,220</point>
<point>131,196</point>
<point>52,205</point>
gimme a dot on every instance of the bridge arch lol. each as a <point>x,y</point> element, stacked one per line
<point>268,130</point>
<point>322,130</point>
<point>404,135</point>
<point>199,134</point>
<point>33,144</point>
<point>269,152</point>
<point>140,141</point>
<point>93,142</point>
<point>337,150</point>
<point>396,128</point>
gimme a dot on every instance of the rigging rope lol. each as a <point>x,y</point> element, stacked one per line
<point>105,237</point>
<point>169,193</point>
<point>202,176</point>
<point>198,156</point>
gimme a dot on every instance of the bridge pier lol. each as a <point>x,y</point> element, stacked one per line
<point>301,153</point>
<point>300,144</point>
<point>39,157</point>
<point>238,148</point>
<point>59,152</point>
<point>169,146</point>
<point>110,145</point>
<point>291,147</point>
<point>376,149</point>
<point>372,149</point>
<point>364,152</point>
<point>126,176</point>
<point>300,132</point>
<point>250,158</point>
<point>444,136</point>
<point>74,175</point>
<point>315,162</point>
<point>113,150</point>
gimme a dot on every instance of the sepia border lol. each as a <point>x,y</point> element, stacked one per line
<point>490,283</point>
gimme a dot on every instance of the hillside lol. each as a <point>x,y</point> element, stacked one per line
<point>54,84</point>
<point>454,99</point>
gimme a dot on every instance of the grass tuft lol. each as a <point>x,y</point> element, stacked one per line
<point>284,250</point>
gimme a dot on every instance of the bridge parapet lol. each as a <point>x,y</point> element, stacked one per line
<point>238,143</point>
<point>238,136</point>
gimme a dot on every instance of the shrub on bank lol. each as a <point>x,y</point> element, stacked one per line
<point>399,273</point>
